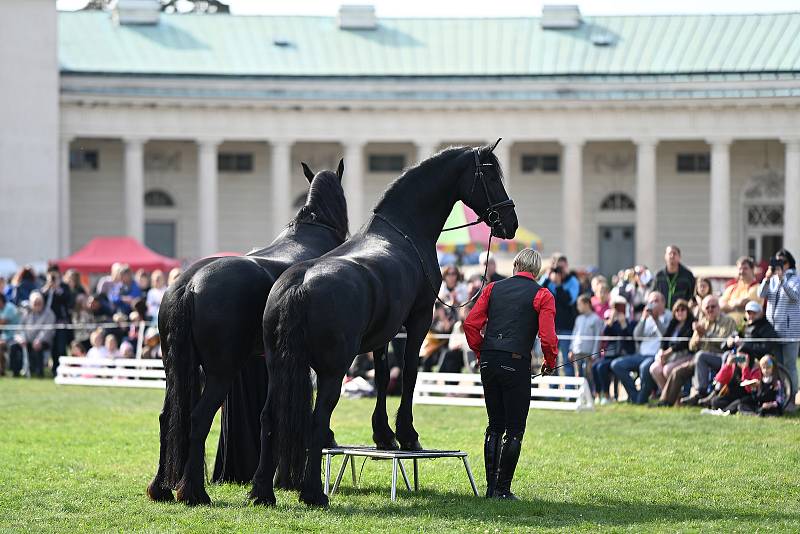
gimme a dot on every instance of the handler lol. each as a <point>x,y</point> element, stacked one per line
<point>513,311</point>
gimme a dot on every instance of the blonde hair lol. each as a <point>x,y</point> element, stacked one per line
<point>529,261</point>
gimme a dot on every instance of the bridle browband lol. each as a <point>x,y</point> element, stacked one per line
<point>491,216</point>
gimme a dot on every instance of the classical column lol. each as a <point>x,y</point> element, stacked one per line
<point>281,183</point>
<point>426,149</point>
<point>503,153</point>
<point>791,207</point>
<point>720,205</point>
<point>354,182</point>
<point>64,219</point>
<point>208,201</point>
<point>572,199</point>
<point>646,201</point>
<point>134,187</point>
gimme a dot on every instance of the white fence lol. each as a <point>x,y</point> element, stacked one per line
<point>129,373</point>
<point>547,392</point>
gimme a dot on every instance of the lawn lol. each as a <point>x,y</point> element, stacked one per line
<point>79,459</point>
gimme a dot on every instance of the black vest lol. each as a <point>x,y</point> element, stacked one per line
<point>512,322</point>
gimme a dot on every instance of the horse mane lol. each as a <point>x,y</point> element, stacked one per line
<point>428,167</point>
<point>325,203</point>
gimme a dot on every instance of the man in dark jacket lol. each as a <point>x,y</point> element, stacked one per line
<point>758,327</point>
<point>513,311</point>
<point>674,281</point>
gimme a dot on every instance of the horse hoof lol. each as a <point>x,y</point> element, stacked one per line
<point>319,500</point>
<point>192,496</point>
<point>387,445</point>
<point>411,445</point>
<point>264,501</point>
<point>158,493</point>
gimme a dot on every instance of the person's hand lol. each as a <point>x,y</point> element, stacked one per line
<point>571,356</point>
<point>19,339</point>
<point>779,273</point>
<point>699,328</point>
<point>555,277</point>
<point>37,345</point>
<point>768,274</point>
<point>546,370</point>
<point>730,341</point>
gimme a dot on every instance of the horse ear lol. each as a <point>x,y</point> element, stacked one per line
<point>495,144</point>
<point>308,172</point>
<point>340,169</point>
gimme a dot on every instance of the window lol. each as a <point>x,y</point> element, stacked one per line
<point>84,160</point>
<point>617,202</point>
<point>235,162</point>
<point>157,198</point>
<point>694,162</point>
<point>540,162</point>
<point>386,162</point>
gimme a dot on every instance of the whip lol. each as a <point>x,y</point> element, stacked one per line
<point>601,352</point>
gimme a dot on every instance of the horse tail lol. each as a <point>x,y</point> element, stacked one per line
<point>183,387</point>
<point>290,398</point>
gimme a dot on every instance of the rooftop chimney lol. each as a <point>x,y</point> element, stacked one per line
<point>141,12</point>
<point>560,17</point>
<point>352,17</point>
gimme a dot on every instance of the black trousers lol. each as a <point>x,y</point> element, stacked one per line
<point>506,390</point>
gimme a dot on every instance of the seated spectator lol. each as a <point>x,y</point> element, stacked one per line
<point>453,290</point>
<point>152,344</point>
<point>81,316</point>
<point>474,285</point>
<point>142,279</point>
<point>601,297</point>
<point>430,352</point>
<point>22,285</point>
<point>98,349</point>
<point>99,308</point>
<point>127,292</point>
<point>585,336</point>
<point>728,392</point>
<point>708,353</point>
<point>112,346</point>
<point>781,289</point>
<point>36,340</point>
<point>108,285</point>
<point>458,350</point>
<point>616,325</point>
<point>673,352</point>
<point>9,315</point>
<point>77,350</point>
<point>738,294</point>
<point>649,329</point>
<point>487,262</point>
<point>769,395</point>
<point>674,281</point>
<point>701,291</point>
<point>158,286</point>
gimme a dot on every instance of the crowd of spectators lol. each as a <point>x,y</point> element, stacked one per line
<point>104,323</point>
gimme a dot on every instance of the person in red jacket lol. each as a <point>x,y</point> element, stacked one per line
<point>510,313</point>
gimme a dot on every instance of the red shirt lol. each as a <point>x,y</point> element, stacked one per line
<point>543,303</point>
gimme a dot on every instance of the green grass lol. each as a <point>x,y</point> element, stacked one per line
<point>79,459</point>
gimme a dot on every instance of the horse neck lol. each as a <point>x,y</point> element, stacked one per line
<point>420,202</point>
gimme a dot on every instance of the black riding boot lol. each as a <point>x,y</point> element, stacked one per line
<point>491,459</point>
<point>512,445</point>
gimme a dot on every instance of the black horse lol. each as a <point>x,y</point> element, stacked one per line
<point>354,300</point>
<point>212,317</point>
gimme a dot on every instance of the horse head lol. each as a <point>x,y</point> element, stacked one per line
<point>325,203</point>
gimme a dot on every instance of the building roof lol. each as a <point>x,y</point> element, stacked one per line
<point>245,46</point>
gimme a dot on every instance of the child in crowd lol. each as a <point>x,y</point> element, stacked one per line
<point>98,349</point>
<point>112,346</point>
<point>729,389</point>
<point>769,394</point>
<point>77,349</point>
<point>588,327</point>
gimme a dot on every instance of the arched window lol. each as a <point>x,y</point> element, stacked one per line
<point>158,198</point>
<point>617,202</point>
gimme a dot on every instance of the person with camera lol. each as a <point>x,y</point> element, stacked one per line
<point>58,297</point>
<point>781,289</point>
<point>511,313</point>
<point>741,360</point>
<point>649,329</point>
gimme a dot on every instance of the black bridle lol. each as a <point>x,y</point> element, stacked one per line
<point>490,216</point>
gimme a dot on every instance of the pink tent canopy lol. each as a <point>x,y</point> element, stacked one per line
<point>100,253</point>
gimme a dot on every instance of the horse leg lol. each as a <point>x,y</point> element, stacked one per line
<point>417,325</point>
<point>328,389</point>
<point>158,490</point>
<point>382,433</point>
<point>191,488</point>
<point>263,491</point>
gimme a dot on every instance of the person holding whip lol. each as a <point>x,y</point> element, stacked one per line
<point>511,313</point>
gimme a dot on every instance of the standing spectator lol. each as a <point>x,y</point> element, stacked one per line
<point>158,286</point>
<point>453,290</point>
<point>617,325</point>
<point>127,292</point>
<point>708,353</point>
<point>674,281</point>
<point>702,289</point>
<point>564,286</point>
<point>487,262</point>
<point>73,280</point>
<point>81,315</point>
<point>601,297</point>
<point>58,298</point>
<point>108,284</point>
<point>142,278</point>
<point>23,284</point>
<point>585,335</point>
<point>650,328</point>
<point>674,351</point>
<point>5,288</point>
<point>781,288</point>
<point>8,316</point>
<point>738,294</point>
<point>36,339</point>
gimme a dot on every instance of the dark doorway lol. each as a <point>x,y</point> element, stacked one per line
<point>617,245</point>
